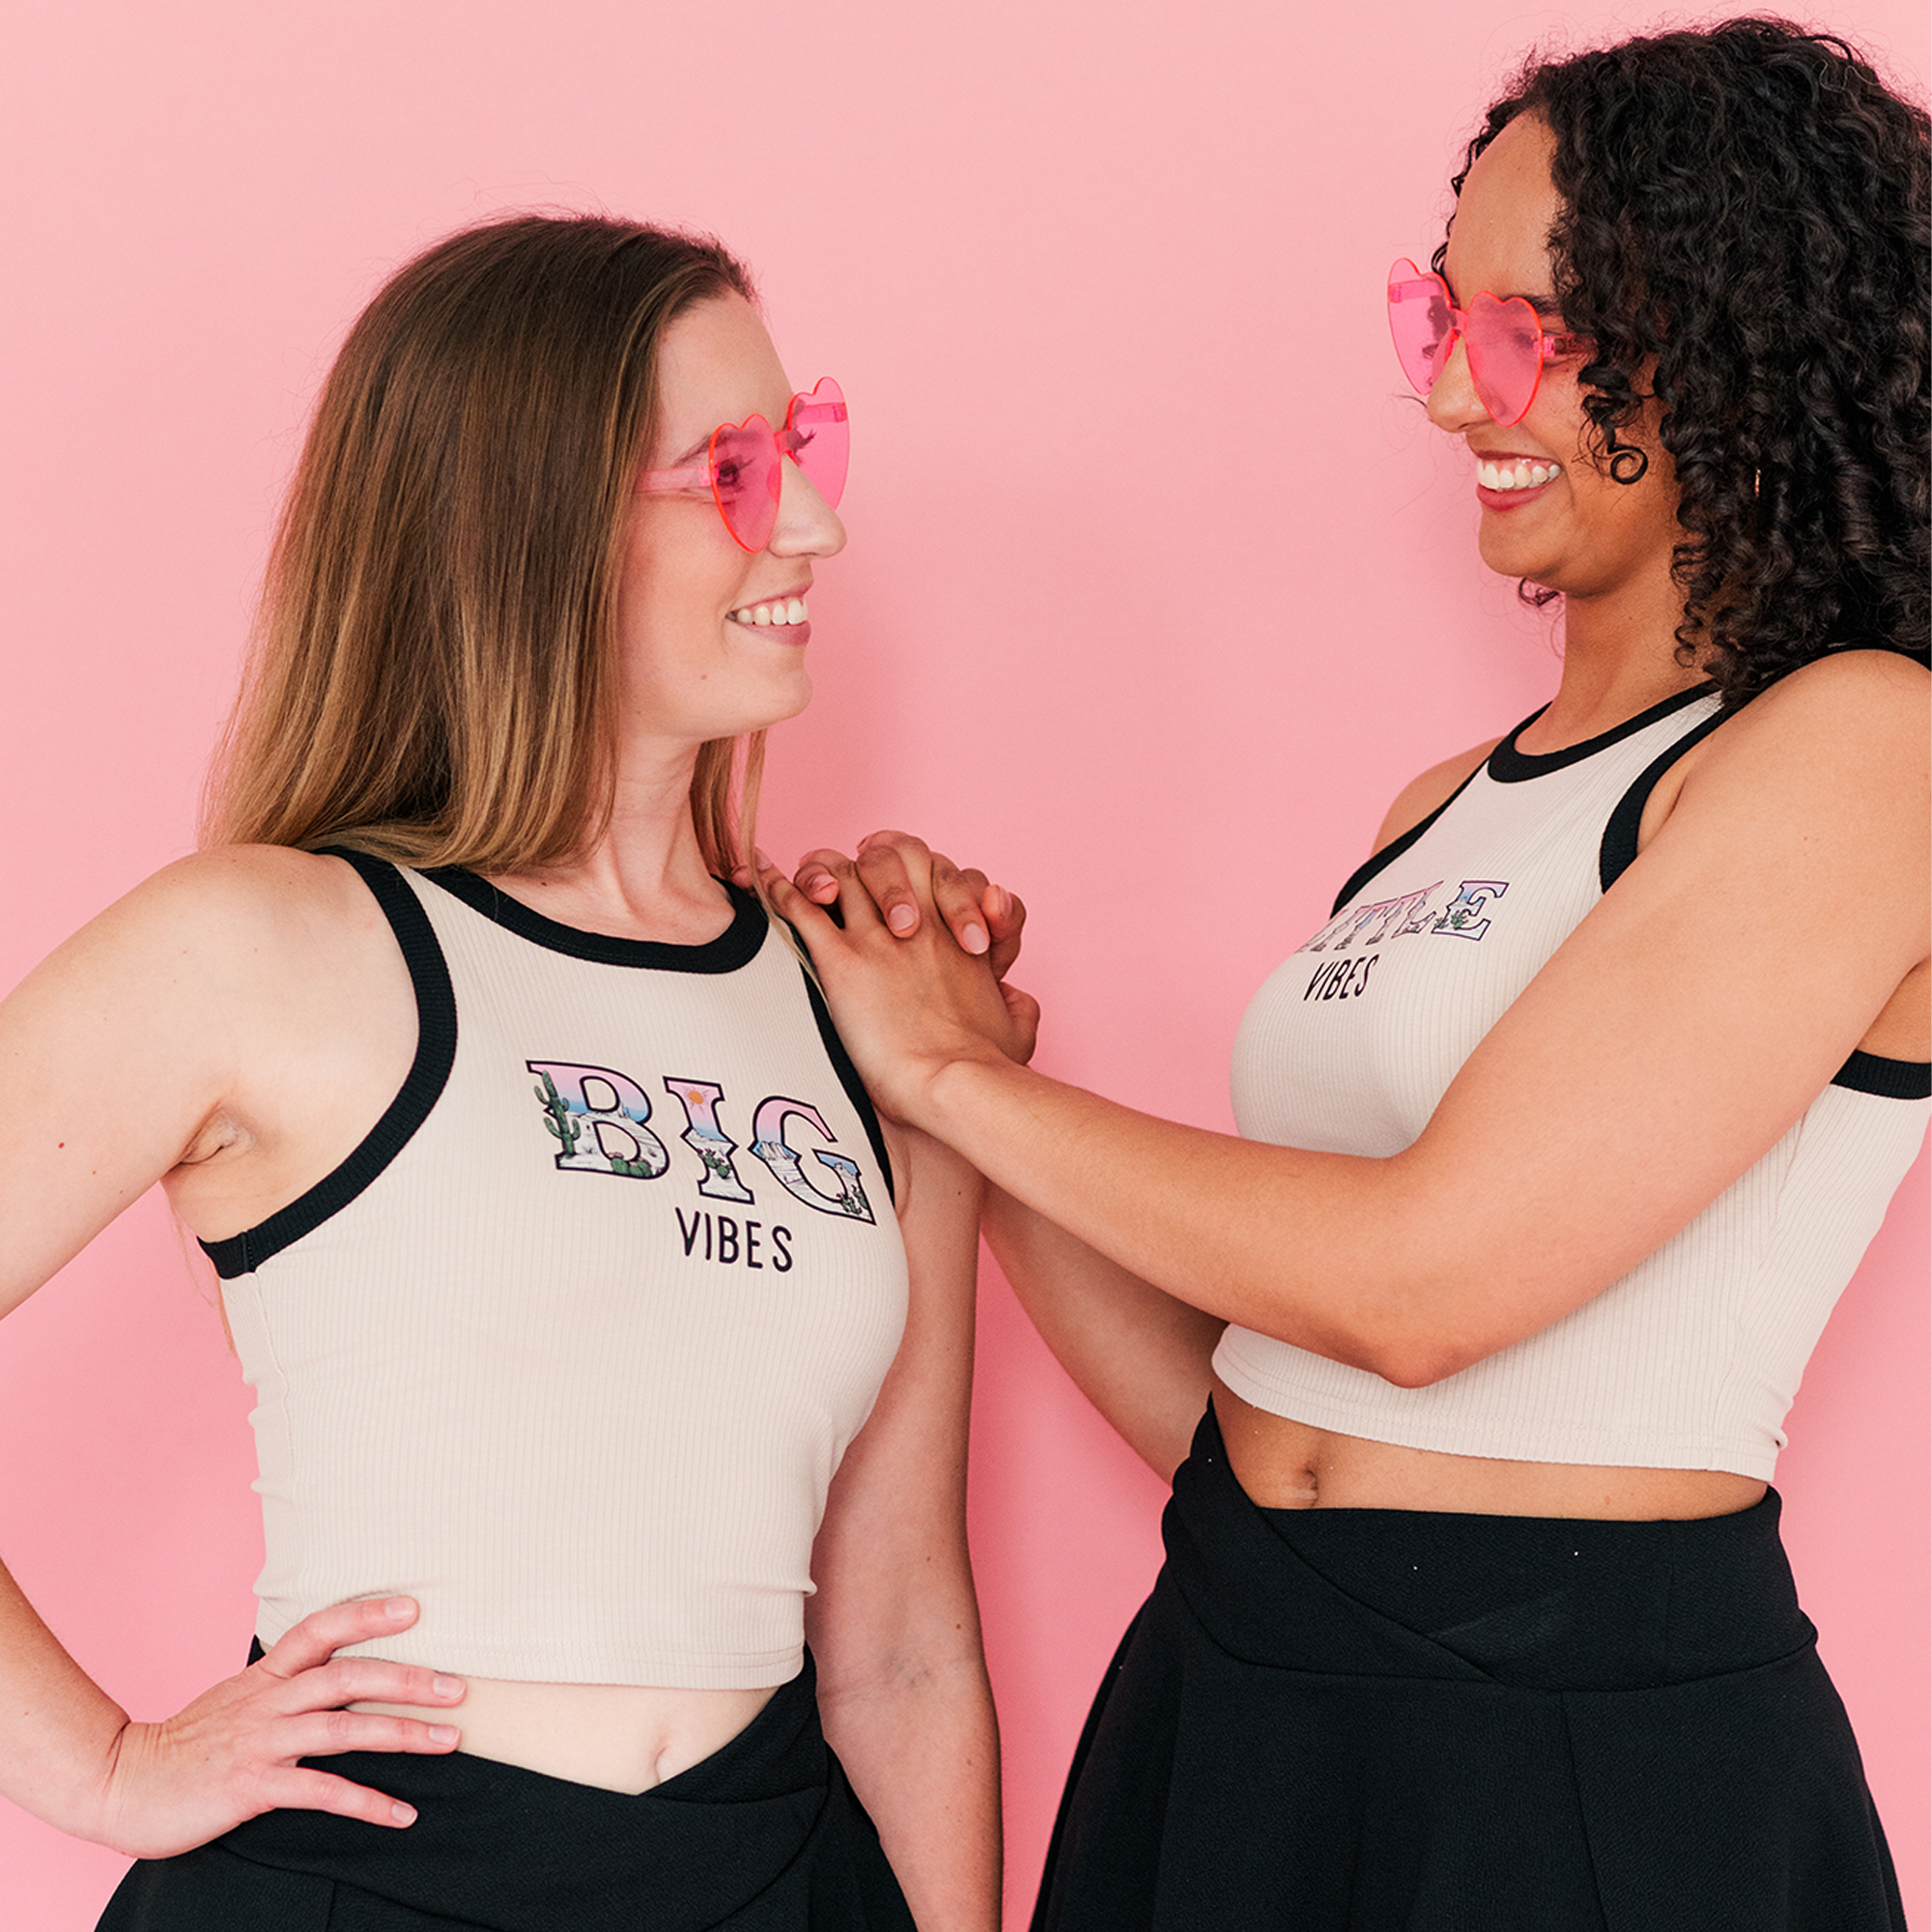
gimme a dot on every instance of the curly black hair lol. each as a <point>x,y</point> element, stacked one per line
<point>1746,206</point>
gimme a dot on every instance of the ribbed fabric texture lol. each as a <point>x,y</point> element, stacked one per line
<point>1692,1359</point>
<point>576,1368</point>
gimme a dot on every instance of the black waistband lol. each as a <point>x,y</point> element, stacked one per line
<point>1552,1602</point>
<point>496,1845</point>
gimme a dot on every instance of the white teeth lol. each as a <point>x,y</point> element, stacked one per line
<point>1520,475</point>
<point>782,611</point>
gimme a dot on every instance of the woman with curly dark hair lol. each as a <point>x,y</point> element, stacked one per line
<point>1561,1136</point>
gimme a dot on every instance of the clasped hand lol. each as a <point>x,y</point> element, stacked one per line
<point>915,968</point>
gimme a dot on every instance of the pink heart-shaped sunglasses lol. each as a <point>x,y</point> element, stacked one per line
<point>743,465</point>
<point>1506,340</point>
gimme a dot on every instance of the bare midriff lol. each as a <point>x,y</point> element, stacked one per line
<point>1286,1464</point>
<point>619,1737</point>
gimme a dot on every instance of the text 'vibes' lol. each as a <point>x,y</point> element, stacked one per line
<point>600,1122</point>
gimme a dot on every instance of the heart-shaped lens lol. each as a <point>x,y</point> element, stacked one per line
<point>745,480</point>
<point>818,437</point>
<point>1505,356</point>
<point>1422,320</point>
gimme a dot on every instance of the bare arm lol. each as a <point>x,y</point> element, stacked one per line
<point>1616,1098</point>
<point>1139,1355</point>
<point>894,1626</point>
<point>156,1005</point>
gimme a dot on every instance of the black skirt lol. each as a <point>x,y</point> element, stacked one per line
<point>764,1836</point>
<point>1375,1719</point>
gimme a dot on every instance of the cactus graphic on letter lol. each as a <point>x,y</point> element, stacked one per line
<point>599,1114</point>
<point>705,1136</point>
<point>560,1122</point>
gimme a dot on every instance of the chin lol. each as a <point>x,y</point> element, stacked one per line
<point>1515,559</point>
<point>794,695</point>
<point>799,696</point>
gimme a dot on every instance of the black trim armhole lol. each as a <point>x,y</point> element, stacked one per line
<point>1619,846</point>
<point>1864,1072</point>
<point>848,1078</point>
<point>1893,1079</point>
<point>1397,846</point>
<point>428,1076</point>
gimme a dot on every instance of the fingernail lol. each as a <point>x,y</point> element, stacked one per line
<point>399,1607</point>
<point>449,1686</point>
<point>902,919</point>
<point>1003,903</point>
<point>443,1733</point>
<point>974,939</point>
<point>403,1815</point>
<point>763,858</point>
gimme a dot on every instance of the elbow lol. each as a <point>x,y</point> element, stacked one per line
<point>1418,1324</point>
<point>1414,1362</point>
<point>1411,1351</point>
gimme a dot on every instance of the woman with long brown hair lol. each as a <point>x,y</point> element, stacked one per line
<point>606,1345</point>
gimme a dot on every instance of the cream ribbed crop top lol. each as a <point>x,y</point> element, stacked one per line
<point>1689,1361</point>
<point>569,1348</point>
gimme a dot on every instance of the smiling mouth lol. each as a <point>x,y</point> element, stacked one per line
<point>1517,473</point>
<point>779,612</point>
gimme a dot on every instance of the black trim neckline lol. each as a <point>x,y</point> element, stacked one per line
<point>422,1086</point>
<point>737,946</point>
<point>1509,766</point>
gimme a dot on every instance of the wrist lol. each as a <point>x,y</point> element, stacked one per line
<point>956,1089</point>
<point>74,1791</point>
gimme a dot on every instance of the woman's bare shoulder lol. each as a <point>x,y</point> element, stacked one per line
<point>1858,718</point>
<point>231,1003</point>
<point>1433,788</point>
<point>239,897</point>
<point>1888,686</point>
<point>212,936</point>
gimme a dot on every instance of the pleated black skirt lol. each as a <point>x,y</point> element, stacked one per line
<point>1399,1721</point>
<point>764,1836</point>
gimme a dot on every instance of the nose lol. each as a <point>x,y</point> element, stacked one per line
<point>807,525</point>
<point>1453,403</point>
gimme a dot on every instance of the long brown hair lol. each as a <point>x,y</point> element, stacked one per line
<point>430,679</point>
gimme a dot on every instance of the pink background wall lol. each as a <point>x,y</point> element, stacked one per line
<point>1078,266</point>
